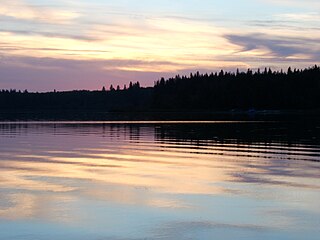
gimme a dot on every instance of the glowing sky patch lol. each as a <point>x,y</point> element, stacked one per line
<point>88,44</point>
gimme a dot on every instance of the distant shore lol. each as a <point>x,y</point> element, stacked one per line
<point>216,96</point>
<point>92,115</point>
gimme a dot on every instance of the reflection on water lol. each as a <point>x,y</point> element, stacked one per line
<point>227,180</point>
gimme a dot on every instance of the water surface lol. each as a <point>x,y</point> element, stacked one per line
<point>159,180</point>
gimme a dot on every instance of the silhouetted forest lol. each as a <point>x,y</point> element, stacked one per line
<point>294,89</point>
<point>134,98</point>
<point>267,89</point>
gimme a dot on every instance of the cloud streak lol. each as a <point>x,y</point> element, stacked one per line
<point>277,46</point>
<point>49,34</point>
<point>153,39</point>
<point>67,74</point>
<point>19,9</point>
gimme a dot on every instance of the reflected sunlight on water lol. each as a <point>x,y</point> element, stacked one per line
<point>159,180</point>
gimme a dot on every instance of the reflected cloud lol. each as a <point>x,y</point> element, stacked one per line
<point>17,206</point>
<point>208,230</point>
<point>155,166</point>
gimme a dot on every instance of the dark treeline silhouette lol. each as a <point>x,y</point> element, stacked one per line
<point>127,99</point>
<point>293,89</point>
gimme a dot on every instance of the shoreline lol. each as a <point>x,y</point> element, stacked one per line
<point>96,115</point>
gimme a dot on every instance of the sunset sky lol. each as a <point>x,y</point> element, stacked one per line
<point>81,44</point>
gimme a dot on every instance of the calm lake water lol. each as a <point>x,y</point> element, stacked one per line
<point>159,180</point>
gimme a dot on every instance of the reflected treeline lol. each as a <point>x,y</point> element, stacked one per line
<point>294,89</point>
<point>111,131</point>
<point>283,133</point>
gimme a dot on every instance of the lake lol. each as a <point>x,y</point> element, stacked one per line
<point>160,180</point>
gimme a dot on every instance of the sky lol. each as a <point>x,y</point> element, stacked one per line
<point>81,44</point>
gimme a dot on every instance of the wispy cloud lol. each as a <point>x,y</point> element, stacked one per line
<point>313,17</point>
<point>306,4</point>
<point>22,10</point>
<point>49,34</point>
<point>146,38</point>
<point>40,73</point>
<point>283,47</point>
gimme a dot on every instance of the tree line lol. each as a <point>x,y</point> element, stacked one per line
<point>293,89</point>
<point>267,89</point>
<point>126,99</point>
